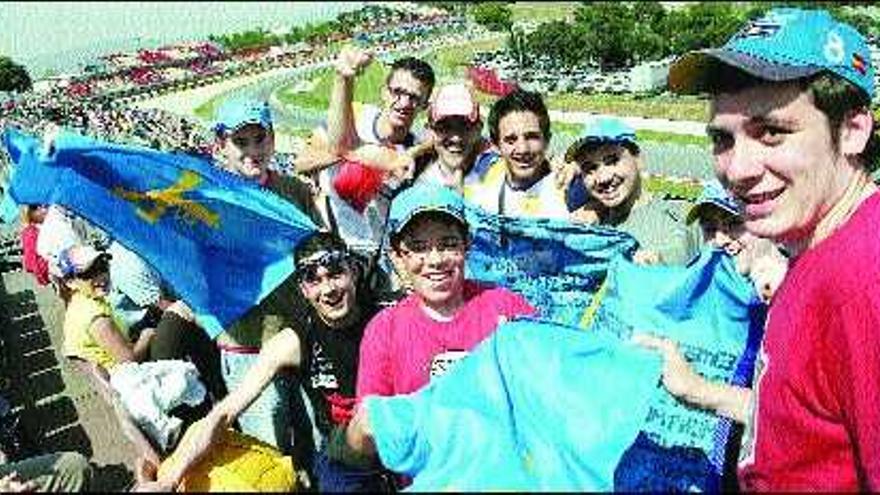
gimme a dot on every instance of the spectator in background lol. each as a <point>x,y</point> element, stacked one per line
<point>57,234</point>
<point>517,182</point>
<point>91,331</point>
<point>609,161</point>
<point>137,293</point>
<point>32,218</point>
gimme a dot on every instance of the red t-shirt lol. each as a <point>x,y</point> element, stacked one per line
<point>403,347</point>
<point>33,262</point>
<point>816,424</point>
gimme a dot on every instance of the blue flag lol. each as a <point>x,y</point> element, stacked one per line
<point>222,242</point>
<point>535,407</point>
<point>716,317</point>
<point>556,265</point>
<point>544,406</point>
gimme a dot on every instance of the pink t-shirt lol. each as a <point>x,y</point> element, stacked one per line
<point>403,347</point>
<point>817,416</point>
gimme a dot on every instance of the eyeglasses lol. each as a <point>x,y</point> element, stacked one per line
<point>334,262</point>
<point>447,246</point>
<point>400,93</point>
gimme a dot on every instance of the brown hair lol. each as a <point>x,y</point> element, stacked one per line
<point>833,95</point>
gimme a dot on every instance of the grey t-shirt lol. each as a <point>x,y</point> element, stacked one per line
<point>659,225</point>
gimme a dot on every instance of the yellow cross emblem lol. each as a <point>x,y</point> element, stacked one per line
<point>152,205</point>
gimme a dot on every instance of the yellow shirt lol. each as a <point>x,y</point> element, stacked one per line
<point>78,320</point>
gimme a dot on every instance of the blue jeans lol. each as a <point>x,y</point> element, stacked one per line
<point>335,477</point>
<point>268,418</point>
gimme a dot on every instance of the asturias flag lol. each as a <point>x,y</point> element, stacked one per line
<point>221,242</point>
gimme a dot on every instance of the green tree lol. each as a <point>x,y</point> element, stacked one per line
<point>610,26</point>
<point>562,41</point>
<point>705,24</point>
<point>13,77</point>
<point>496,16</point>
<point>649,37</point>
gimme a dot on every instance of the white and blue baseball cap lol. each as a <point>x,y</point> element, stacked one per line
<point>599,131</point>
<point>783,45</point>
<point>236,113</point>
<point>421,198</point>
<point>714,194</point>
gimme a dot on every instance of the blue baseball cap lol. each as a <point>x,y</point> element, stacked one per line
<point>236,113</point>
<point>784,45</point>
<point>714,194</point>
<point>421,198</point>
<point>599,131</point>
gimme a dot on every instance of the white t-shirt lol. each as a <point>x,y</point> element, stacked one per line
<point>56,234</point>
<point>487,187</point>
<point>362,231</point>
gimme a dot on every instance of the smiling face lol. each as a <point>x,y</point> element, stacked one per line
<point>773,151</point>
<point>330,289</point>
<point>432,251</point>
<point>723,230</point>
<point>457,142</point>
<point>610,173</point>
<point>248,150</point>
<point>404,96</point>
<point>522,145</point>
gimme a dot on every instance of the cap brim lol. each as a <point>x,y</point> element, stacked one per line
<point>690,74</point>
<point>576,147</point>
<point>451,213</point>
<point>695,210</point>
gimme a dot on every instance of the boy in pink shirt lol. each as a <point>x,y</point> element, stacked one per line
<point>445,316</point>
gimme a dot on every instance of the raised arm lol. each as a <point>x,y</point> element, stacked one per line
<point>342,135</point>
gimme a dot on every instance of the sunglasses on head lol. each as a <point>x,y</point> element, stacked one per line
<point>335,262</point>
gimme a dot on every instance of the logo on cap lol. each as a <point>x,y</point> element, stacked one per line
<point>859,64</point>
<point>760,27</point>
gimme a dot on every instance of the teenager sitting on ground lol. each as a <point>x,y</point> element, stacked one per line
<point>93,333</point>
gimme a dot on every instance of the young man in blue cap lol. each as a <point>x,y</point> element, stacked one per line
<point>721,221</point>
<point>445,317</point>
<point>245,146</point>
<point>609,160</point>
<point>793,140</point>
